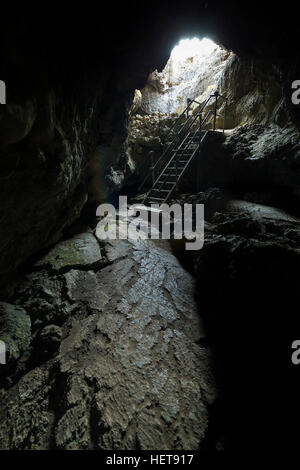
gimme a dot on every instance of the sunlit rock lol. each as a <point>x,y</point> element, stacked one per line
<point>193,71</point>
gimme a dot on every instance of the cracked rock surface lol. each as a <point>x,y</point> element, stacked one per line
<point>130,371</point>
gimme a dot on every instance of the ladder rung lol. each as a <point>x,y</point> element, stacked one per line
<point>166,176</point>
<point>166,180</point>
<point>174,168</point>
<point>164,183</point>
<point>182,157</point>
<point>161,184</point>
<point>188,144</point>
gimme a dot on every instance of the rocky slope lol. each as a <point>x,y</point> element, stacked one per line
<point>114,359</point>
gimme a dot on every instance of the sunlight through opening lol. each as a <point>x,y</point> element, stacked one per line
<point>187,48</point>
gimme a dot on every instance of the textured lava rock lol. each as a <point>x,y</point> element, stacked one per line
<point>130,372</point>
<point>48,341</point>
<point>41,175</point>
<point>247,158</point>
<point>147,133</point>
<point>51,335</point>
<point>254,92</point>
<point>81,250</point>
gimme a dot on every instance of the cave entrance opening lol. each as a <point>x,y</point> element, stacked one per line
<point>193,71</point>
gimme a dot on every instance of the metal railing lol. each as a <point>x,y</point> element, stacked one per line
<point>181,131</point>
<point>191,139</point>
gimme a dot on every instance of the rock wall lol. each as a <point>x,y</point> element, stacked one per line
<point>252,157</point>
<point>261,147</point>
<point>44,148</point>
<point>65,111</point>
<point>147,137</point>
<point>254,90</point>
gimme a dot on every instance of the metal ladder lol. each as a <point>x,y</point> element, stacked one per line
<point>186,143</point>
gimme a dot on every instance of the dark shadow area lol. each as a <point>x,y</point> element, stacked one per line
<point>248,299</point>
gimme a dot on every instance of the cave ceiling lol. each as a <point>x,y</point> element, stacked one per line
<point>48,41</point>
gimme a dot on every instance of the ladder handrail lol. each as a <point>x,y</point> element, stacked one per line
<point>180,147</point>
<point>182,114</point>
<point>177,134</point>
<point>186,148</point>
<point>182,142</point>
<point>186,165</point>
<point>202,108</point>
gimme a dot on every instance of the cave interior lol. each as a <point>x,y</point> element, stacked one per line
<point>140,344</point>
